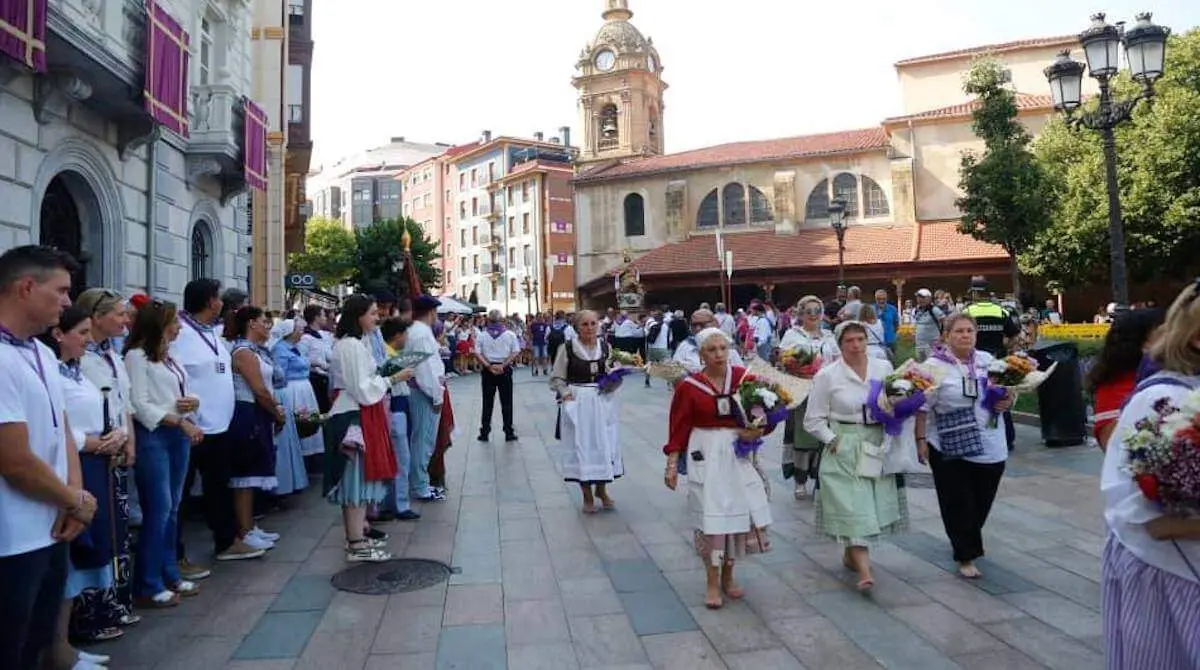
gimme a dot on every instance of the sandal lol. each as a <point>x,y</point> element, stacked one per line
<point>969,571</point>
<point>865,585</point>
<point>608,505</point>
<point>365,553</point>
<point>734,593</point>
<point>368,542</point>
<point>102,635</point>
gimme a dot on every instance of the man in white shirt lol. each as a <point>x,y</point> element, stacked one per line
<point>761,330</point>
<point>725,322</point>
<point>657,332</point>
<point>496,350</point>
<point>43,505</point>
<point>427,390</point>
<point>853,305</point>
<point>200,351</point>
<point>688,354</point>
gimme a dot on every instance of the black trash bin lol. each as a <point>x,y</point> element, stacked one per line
<point>1060,398</point>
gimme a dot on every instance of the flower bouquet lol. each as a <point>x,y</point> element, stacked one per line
<point>897,397</point>
<point>616,357</point>
<point>308,421</point>
<point>800,362</point>
<point>1015,373</point>
<point>762,405</point>
<point>401,361</point>
<point>620,364</point>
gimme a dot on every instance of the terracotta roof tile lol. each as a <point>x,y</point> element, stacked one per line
<point>941,241</point>
<point>1025,102</point>
<point>741,153</point>
<point>1016,45</point>
<point>461,149</point>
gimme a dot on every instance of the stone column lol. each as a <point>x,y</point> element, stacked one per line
<point>904,202</point>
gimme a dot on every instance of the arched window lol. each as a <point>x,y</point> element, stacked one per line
<point>710,212</point>
<point>202,251</point>
<point>845,186</point>
<point>818,202</point>
<point>635,215</point>
<point>760,207</point>
<point>608,130</point>
<point>733,202</point>
<point>875,201</point>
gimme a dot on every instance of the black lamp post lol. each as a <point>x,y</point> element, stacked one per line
<point>530,289</point>
<point>837,219</point>
<point>1145,47</point>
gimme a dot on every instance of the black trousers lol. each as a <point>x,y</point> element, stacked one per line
<point>214,461</point>
<point>502,382</point>
<point>1010,430</point>
<point>31,593</point>
<point>965,493</point>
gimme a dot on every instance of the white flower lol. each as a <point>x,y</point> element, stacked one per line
<point>769,398</point>
<point>902,385</point>
<point>998,366</point>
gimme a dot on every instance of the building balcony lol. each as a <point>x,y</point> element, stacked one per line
<point>490,270</point>
<point>215,145</point>
<point>493,242</point>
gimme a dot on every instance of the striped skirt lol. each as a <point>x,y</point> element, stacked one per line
<point>1151,617</point>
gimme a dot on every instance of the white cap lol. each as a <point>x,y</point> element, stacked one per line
<point>924,293</point>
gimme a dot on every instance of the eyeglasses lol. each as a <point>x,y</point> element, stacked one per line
<point>813,311</point>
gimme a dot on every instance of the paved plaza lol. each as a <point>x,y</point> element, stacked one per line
<point>538,585</point>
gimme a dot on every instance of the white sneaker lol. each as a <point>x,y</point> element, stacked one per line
<point>87,665</point>
<point>260,533</point>
<point>95,659</point>
<point>257,542</point>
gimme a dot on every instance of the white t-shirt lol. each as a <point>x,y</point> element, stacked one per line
<point>209,367</point>
<point>26,398</point>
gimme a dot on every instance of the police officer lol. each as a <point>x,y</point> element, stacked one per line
<point>997,326</point>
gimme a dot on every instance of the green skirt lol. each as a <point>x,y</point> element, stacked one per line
<point>856,511</point>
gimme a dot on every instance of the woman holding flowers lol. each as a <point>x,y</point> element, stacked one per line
<point>959,438</point>
<point>727,499</point>
<point>855,503</point>
<point>804,348</point>
<point>587,425</point>
<point>1151,602</point>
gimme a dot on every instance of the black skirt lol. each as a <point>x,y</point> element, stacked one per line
<point>252,441</point>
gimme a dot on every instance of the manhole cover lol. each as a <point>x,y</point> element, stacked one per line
<point>918,481</point>
<point>398,576</point>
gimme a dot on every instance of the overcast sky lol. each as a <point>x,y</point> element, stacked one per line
<point>444,70</point>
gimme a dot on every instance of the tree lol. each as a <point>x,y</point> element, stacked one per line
<point>1006,199</point>
<point>1158,172</point>
<point>328,252</point>
<point>379,249</point>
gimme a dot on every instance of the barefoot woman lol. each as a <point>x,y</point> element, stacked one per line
<point>726,496</point>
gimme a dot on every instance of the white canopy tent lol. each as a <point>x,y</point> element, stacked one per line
<point>451,305</point>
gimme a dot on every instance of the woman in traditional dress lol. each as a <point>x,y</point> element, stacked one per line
<point>257,416</point>
<point>296,396</point>
<point>801,451</point>
<point>587,424</point>
<point>90,562</point>
<point>359,457</point>
<point>955,436</point>
<point>852,507</point>
<point>1149,571</point>
<point>727,499</point>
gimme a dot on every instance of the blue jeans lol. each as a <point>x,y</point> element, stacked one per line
<point>423,421</point>
<point>397,499</point>
<point>161,466</point>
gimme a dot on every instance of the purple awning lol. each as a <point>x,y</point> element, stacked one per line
<point>256,146</point>
<point>166,90</point>
<point>23,32</point>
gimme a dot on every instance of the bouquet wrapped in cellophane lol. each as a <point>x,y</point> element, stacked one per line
<point>1015,373</point>
<point>762,405</point>
<point>620,364</point>
<point>1164,455</point>
<point>401,361</point>
<point>898,396</point>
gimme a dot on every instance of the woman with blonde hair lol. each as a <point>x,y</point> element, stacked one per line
<point>1151,587</point>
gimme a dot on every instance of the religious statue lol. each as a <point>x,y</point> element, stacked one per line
<point>628,284</point>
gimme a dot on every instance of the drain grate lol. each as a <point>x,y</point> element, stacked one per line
<point>398,576</point>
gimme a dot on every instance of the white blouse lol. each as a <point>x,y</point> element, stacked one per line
<point>352,370</point>
<point>839,395</point>
<point>85,408</point>
<point>155,386</point>
<point>317,351</point>
<point>1126,510</point>
<point>823,344</point>
<point>949,396</point>
<point>107,368</point>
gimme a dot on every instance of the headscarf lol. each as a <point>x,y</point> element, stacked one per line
<point>283,330</point>
<point>708,333</point>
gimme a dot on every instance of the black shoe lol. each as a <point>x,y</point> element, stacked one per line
<point>383,517</point>
<point>510,437</point>
<point>483,437</point>
<point>409,515</point>
<point>375,534</point>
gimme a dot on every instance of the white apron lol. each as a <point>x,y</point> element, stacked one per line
<point>590,450</point>
<point>725,493</point>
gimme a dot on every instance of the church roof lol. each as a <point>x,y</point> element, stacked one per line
<point>742,153</point>
<point>1016,45</point>
<point>928,242</point>
<point>1024,102</point>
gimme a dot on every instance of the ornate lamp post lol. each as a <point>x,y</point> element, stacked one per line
<point>837,219</point>
<point>530,288</point>
<point>1145,47</point>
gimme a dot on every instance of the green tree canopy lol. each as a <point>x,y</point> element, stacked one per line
<point>328,252</point>
<point>1158,174</point>
<point>380,247</point>
<point>1005,197</point>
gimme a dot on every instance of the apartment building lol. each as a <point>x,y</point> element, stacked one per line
<point>299,122</point>
<point>363,188</point>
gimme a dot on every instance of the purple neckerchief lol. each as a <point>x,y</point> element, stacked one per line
<point>495,330</point>
<point>990,394</point>
<point>1148,366</point>
<point>620,319</point>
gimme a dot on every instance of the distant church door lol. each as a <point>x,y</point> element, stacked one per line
<point>62,227</point>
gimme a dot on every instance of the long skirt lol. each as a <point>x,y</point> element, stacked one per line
<point>856,511</point>
<point>252,438</point>
<point>346,483</point>
<point>299,395</point>
<point>590,451</point>
<point>103,601</point>
<point>289,453</point>
<point>801,457</point>
<point>727,499</point>
<point>1151,616</point>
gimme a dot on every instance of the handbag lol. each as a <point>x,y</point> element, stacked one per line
<point>958,433</point>
<point>870,461</point>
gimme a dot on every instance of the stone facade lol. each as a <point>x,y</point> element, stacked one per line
<point>148,209</point>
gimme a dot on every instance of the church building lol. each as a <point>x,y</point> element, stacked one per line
<point>768,202</point>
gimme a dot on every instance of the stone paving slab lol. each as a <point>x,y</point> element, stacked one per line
<point>539,585</point>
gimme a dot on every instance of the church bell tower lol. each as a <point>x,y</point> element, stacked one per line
<point>619,78</point>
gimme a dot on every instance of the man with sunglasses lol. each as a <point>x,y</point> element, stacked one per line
<point>688,353</point>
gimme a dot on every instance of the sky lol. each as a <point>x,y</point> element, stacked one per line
<point>446,70</point>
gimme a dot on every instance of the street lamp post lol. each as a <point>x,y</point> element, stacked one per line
<point>1145,48</point>
<point>530,288</point>
<point>837,219</point>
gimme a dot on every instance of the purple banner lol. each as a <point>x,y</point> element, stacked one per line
<point>256,147</point>
<point>23,32</point>
<point>166,89</point>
